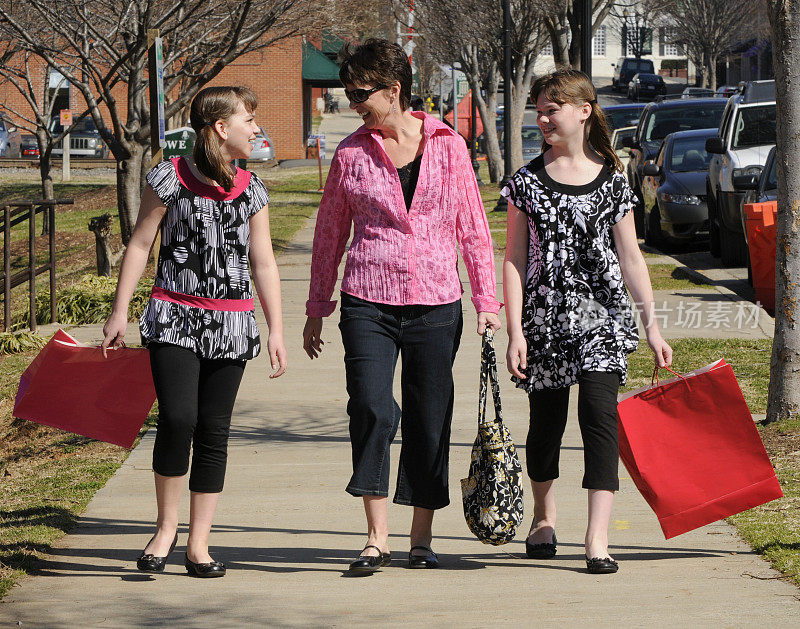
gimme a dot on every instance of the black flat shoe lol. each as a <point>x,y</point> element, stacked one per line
<point>151,563</point>
<point>366,563</point>
<point>595,565</point>
<point>545,550</point>
<point>204,570</point>
<point>429,560</point>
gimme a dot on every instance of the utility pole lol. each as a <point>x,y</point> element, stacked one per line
<point>586,37</point>
<point>502,204</point>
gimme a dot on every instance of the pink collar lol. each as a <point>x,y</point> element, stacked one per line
<point>216,193</point>
<point>430,126</point>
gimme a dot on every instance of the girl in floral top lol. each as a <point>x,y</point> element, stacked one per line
<point>571,250</point>
<point>404,183</point>
<point>199,324</point>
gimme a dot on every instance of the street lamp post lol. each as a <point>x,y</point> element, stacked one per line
<point>501,202</point>
<point>586,37</point>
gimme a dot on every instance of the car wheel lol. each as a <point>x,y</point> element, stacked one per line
<point>713,228</point>
<point>653,235</point>
<point>733,248</point>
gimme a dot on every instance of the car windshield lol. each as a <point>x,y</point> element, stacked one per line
<point>650,78</point>
<point>623,117</point>
<point>662,122</point>
<point>755,126</point>
<point>644,66</point>
<point>689,155</point>
<point>86,125</point>
<point>532,134</point>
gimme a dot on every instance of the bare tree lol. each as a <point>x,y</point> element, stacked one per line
<point>708,29</point>
<point>469,31</point>
<point>784,384</point>
<point>562,26</point>
<point>100,43</point>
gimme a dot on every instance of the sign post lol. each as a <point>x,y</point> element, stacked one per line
<point>65,118</point>
<point>155,63</point>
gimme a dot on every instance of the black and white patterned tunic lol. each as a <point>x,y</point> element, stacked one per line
<point>205,244</point>
<point>576,315</point>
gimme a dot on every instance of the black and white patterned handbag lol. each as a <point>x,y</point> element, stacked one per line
<point>492,493</point>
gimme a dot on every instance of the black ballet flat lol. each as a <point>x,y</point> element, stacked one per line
<point>428,560</point>
<point>368,564</point>
<point>596,565</point>
<point>151,563</point>
<point>544,550</point>
<point>204,570</point>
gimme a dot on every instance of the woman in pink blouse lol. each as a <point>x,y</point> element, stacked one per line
<point>404,182</point>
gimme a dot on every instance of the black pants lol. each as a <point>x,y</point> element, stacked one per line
<point>195,402</point>
<point>597,417</point>
<point>427,339</point>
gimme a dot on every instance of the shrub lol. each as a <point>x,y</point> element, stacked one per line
<point>18,342</point>
<point>89,301</point>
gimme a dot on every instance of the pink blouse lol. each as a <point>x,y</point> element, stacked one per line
<point>400,256</point>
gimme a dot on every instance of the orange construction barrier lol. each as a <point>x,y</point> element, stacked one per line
<point>762,233</point>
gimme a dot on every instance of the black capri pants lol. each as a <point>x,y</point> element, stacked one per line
<point>597,417</point>
<point>426,338</point>
<point>195,402</point>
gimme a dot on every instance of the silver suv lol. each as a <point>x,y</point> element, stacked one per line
<point>746,135</point>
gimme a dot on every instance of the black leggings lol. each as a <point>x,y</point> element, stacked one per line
<point>195,402</point>
<point>597,417</point>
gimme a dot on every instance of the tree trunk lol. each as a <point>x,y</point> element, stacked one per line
<point>523,78</point>
<point>712,72</point>
<point>101,226</point>
<point>784,382</point>
<point>47,179</point>
<point>129,190</point>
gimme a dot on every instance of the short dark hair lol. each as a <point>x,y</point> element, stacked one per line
<point>377,62</point>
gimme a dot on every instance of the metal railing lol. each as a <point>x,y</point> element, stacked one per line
<point>13,214</point>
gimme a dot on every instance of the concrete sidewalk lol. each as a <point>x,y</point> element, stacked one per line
<point>287,529</point>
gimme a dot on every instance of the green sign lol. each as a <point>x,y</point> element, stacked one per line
<point>178,142</point>
<point>462,87</point>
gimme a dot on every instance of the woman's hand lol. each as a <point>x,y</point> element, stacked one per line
<point>312,337</point>
<point>278,358</point>
<point>114,332</point>
<point>517,356</point>
<point>662,352</point>
<point>488,320</point>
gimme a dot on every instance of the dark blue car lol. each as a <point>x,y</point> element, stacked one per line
<point>674,188</point>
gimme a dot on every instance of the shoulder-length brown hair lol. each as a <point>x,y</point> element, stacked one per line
<point>574,87</point>
<point>209,105</point>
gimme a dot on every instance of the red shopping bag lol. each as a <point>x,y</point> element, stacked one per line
<point>71,386</point>
<point>693,451</point>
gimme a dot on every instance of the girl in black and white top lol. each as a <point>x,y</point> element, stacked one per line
<point>199,324</point>
<point>571,241</point>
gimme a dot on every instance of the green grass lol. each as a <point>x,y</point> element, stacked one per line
<point>749,358</point>
<point>293,198</point>
<point>670,277</point>
<point>33,191</point>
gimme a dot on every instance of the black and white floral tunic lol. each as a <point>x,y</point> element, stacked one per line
<point>205,244</point>
<point>576,315</point>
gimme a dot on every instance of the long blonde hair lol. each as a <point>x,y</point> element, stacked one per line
<point>574,87</point>
<point>209,105</point>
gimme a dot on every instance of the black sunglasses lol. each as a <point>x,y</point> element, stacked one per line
<point>360,95</point>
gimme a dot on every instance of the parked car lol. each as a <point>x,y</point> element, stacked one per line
<point>697,92</point>
<point>84,139</point>
<point>532,138</point>
<point>263,149</point>
<point>674,189</point>
<point>744,139</point>
<point>657,121</point>
<point>29,147</point>
<point>10,139</point>
<point>646,85</point>
<point>625,68</point>
<point>726,91</point>
<point>627,115</point>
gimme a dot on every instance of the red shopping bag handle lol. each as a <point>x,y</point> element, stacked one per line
<point>654,379</point>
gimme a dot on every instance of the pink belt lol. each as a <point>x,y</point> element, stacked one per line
<point>207,303</point>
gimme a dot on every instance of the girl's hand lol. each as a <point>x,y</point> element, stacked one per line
<point>114,332</point>
<point>662,352</point>
<point>312,337</point>
<point>517,356</point>
<point>488,320</point>
<point>278,358</point>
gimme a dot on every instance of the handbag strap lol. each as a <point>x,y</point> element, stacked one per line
<point>489,380</point>
<point>654,379</point>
